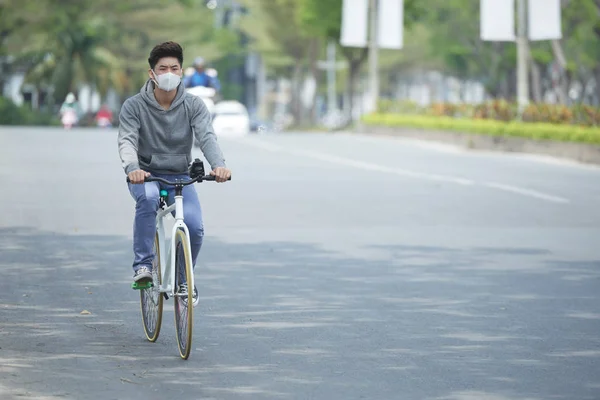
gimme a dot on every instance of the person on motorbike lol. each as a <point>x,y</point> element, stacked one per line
<point>104,117</point>
<point>200,77</point>
<point>70,111</point>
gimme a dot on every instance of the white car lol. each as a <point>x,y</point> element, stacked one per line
<point>230,118</point>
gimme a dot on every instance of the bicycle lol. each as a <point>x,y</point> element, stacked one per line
<point>178,272</point>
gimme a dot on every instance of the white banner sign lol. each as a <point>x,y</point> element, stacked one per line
<point>355,14</point>
<point>391,24</point>
<point>544,20</point>
<point>497,20</point>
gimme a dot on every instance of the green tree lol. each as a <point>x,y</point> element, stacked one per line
<point>104,43</point>
<point>455,41</point>
<point>323,18</point>
<point>581,40</point>
<point>278,35</point>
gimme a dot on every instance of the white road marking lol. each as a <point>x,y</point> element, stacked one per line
<point>460,149</point>
<point>374,167</point>
<point>404,172</point>
<point>359,164</point>
<point>526,192</point>
<point>403,141</point>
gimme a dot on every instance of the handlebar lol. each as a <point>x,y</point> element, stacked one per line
<point>179,182</point>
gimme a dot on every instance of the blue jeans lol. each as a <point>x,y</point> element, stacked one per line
<point>147,196</point>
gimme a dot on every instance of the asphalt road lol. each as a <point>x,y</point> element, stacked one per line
<point>334,267</point>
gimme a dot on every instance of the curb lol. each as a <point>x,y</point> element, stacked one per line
<point>581,152</point>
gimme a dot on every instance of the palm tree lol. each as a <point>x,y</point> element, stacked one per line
<point>102,43</point>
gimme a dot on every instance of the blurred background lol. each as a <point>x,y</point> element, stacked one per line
<point>282,59</point>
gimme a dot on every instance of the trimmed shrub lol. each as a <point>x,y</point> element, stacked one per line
<point>500,110</point>
<point>11,114</point>
<point>538,131</point>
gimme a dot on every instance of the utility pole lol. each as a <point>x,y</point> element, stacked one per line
<point>373,57</point>
<point>331,66</point>
<point>522,56</point>
<point>331,96</point>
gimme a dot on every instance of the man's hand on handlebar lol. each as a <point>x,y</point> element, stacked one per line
<point>221,174</point>
<point>138,176</point>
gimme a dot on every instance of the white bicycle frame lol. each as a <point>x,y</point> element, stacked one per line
<point>167,261</point>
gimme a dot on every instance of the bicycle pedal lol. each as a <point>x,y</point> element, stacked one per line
<point>141,285</point>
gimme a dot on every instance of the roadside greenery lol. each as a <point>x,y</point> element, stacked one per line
<point>491,127</point>
<point>11,114</point>
<point>63,44</point>
<point>501,110</point>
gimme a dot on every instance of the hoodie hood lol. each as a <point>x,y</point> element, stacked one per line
<point>147,93</point>
<point>160,141</point>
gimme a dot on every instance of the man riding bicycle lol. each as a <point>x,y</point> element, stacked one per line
<point>156,130</point>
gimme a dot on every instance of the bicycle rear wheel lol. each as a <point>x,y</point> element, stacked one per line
<point>151,300</point>
<point>183,301</point>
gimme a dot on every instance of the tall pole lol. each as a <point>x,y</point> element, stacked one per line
<point>522,57</point>
<point>332,103</point>
<point>373,57</point>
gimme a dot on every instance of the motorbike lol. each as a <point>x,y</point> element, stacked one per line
<point>103,122</point>
<point>206,94</point>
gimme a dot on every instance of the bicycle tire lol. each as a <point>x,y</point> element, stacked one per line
<point>151,300</point>
<point>183,304</point>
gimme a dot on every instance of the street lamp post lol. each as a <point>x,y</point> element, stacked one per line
<point>373,57</point>
<point>522,56</point>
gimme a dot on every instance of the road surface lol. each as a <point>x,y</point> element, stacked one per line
<point>334,267</point>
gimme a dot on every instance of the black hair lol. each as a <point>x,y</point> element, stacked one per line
<point>166,49</point>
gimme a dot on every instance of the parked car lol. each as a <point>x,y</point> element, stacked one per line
<point>231,119</point>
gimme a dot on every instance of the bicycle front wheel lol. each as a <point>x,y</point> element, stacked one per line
<point>183,298</point>
<point>151,300</point>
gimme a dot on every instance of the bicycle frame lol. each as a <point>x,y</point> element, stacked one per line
<point>167,261</point>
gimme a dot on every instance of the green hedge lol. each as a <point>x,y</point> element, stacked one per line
<point>579,114</point>
<point>529,130</point>
<point>11,114</point>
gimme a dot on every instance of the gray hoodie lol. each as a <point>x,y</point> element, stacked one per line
<point>160,141</point>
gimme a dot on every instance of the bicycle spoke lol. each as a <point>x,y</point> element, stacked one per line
<point>183,312</point>
<point>151,301</point>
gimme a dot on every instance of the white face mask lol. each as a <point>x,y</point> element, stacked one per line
<point>168,81</point>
